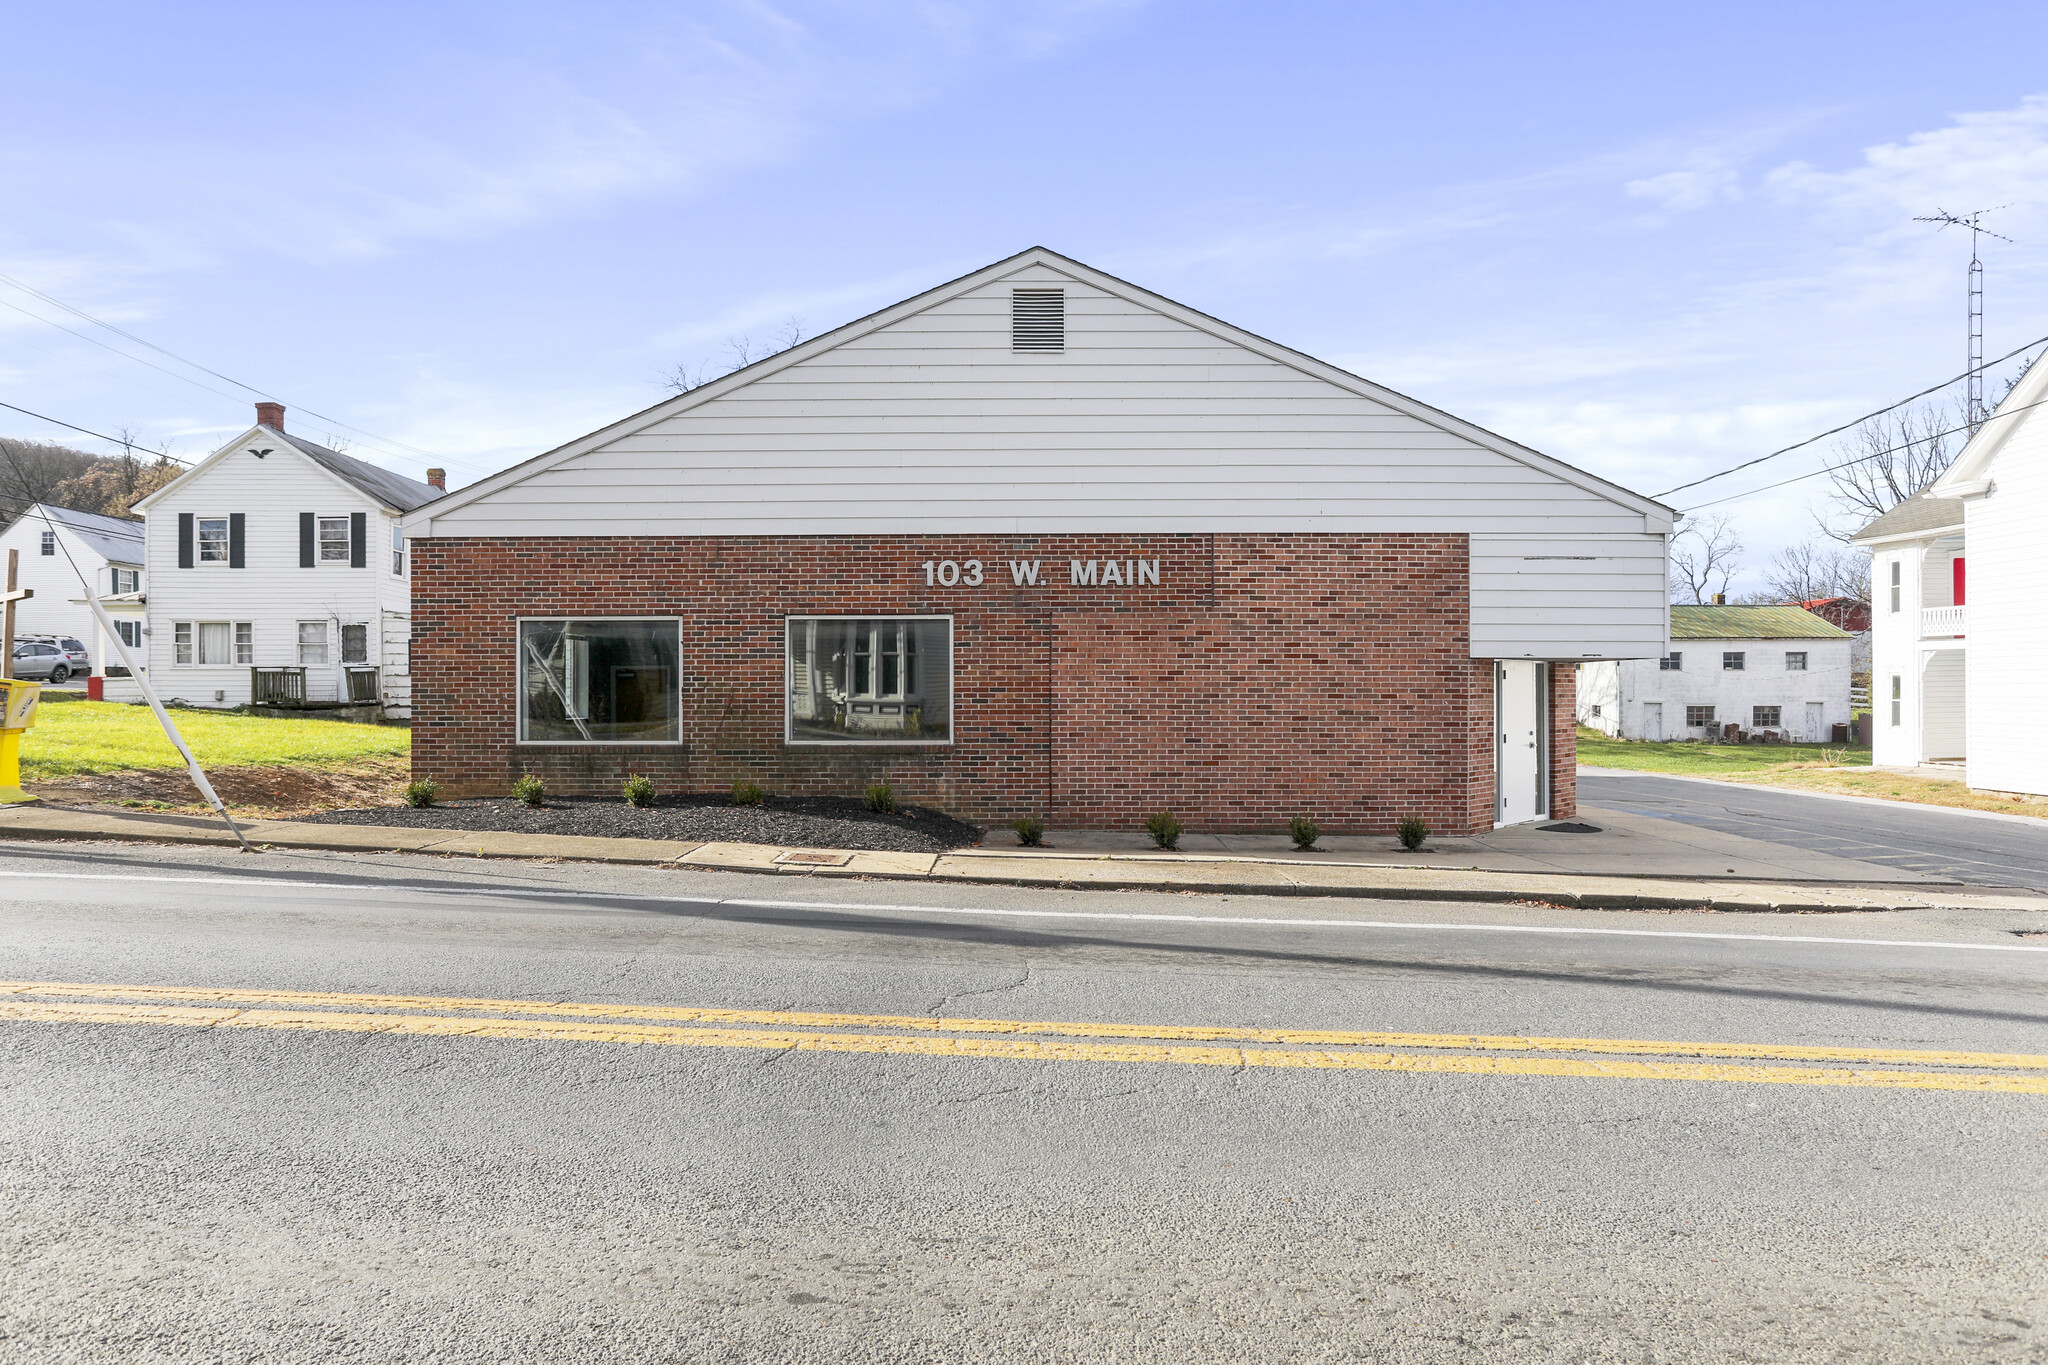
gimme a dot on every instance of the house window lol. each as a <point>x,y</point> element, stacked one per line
<point>1596,708</point>
<point>312,642</point>
<point>130,633</point>
<point>397,551</point>
<point>1895,590</point>
<point>126,581</point>
<point>355,644</point>
<point>210,644</point>
<point>1732,661</point>
<point>49,542</point>
<point>333,539</point>
<point>1895,699</point>
<point>600,682</point>
<point>1673,662</point>
<point>215,642</point>
<point>213,540</point>
<point>245,643</point>
<point>1795,661</point>
<point>870,680</point>
<point>1764,717</point>
<point>1699,716</point>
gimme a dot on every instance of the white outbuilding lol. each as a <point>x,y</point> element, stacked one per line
<point>1781,671</point>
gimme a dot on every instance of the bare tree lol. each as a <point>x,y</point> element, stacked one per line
<point>1705,553</point>
<point>1890,458</point>
<point>741,350</point>
<point>1811,572</point>
<point>36,469</point>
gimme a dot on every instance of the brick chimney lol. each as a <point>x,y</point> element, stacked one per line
<point>438,478</point>
<point>271,415</point>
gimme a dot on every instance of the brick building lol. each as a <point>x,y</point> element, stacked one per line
<point>1036,542</point>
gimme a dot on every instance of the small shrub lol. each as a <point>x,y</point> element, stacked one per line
<point>1304,831</point>
<point>1165,829</point>
<point>745,793</point>
<point>529,790</point>
<point>880,798</point>
<point>421,792</point>
<point>1030,831</point>
<point>1412,832</point>
<point>638,791</point>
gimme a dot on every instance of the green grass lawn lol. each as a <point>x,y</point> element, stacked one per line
<point>77,737</point>
<point>1707,760</point>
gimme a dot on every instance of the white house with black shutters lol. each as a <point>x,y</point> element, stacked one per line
<point>278,574</point>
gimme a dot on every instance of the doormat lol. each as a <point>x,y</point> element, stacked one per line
<point>1569,827</point>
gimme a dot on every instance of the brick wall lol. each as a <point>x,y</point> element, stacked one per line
<point>1261,677</point>
<point>1564,741</point>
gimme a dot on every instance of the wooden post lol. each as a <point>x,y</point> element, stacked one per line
<point>10,597</point>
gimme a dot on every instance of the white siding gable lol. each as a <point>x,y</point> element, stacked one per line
<point>1153,420</point>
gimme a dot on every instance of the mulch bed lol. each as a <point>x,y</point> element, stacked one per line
<point>799,821</point>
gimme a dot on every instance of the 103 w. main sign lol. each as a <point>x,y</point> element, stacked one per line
<point>1031,573</point>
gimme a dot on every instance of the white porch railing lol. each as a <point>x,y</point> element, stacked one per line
<point>1937,621</point>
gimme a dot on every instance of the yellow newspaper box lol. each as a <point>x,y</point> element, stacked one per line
<point>21,698</point>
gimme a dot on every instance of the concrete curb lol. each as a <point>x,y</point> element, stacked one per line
<point>1230,875</point>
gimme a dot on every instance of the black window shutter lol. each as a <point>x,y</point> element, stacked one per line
<point>358,539</point>
<point>238,525</point>
<point>306,533</point>
<point>184,540</point>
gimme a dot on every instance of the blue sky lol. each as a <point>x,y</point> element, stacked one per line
<point>1649,240</point>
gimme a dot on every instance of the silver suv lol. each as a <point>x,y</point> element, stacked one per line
<point>51,657</point>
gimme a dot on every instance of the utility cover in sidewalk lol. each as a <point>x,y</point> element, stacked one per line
<point>1569,827</point>
<point>816,859</point>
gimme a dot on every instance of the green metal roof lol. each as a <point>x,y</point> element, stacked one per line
<point>1751,623</point>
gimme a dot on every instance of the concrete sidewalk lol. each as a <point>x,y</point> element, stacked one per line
<point>1529,876</point>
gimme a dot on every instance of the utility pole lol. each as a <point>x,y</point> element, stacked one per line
<point>1974,410</point>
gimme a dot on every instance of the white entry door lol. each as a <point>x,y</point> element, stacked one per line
<point>1816,721</point>
<point>1653,721</point>
<point>1518,766</point>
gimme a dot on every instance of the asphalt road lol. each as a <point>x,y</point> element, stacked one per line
<point>241,1171</point>
<point>1970,848</point>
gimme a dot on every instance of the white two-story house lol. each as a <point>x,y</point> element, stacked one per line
<point>62,550</point>
<point>1918,633</point>
<point>278,575</point>
<point>1959,655</point>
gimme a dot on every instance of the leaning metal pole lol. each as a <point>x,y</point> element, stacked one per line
<point>163,717</point>
<point>197,773</point>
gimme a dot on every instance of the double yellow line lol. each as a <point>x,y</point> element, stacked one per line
<point>57,1002</point>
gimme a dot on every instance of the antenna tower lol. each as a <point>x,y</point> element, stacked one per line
<point>1973,403</point>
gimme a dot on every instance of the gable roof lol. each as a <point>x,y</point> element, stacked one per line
<point>1920,513</point>
<point>394,492</point>
<point>116,539</point>
<point>1969,476</point>
<point>1751,623</point>
<point>663,411</point>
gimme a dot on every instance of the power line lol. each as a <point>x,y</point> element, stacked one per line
<point>56,302</point>
<point>1836,431</point>
<point>97,436</point>
<point>1875,454</point>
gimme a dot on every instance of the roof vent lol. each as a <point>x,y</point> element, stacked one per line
<point>1038,319</point>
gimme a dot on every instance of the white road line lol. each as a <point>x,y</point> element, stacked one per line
<point>972,912</point>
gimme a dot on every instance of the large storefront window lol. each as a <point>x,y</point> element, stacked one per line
<point>598,682</point>
<point>870,680</point>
